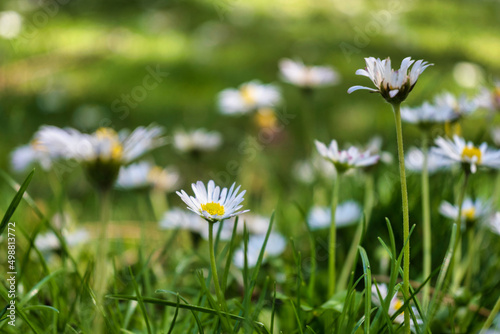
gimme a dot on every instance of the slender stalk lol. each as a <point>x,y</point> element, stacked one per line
<point>333,236</point>
<point>213,266</point>
<point>491,317</point>
<point>426,214</point>
<point>458,245</point>
<point>470,257</point>
<point>100,273</point>
<point>353,250</point>
<point>406,217</point>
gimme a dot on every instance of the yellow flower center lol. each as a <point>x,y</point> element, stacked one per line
<point>471,152</point>
<point>247,94</point>
<point>213,208</point>
<point>469,214</point>
<point>397,304</point>
<point>111,135</point>
<point>265,118</point>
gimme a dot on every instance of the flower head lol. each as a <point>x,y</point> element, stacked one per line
<point>347,213</point>
<point>248,97</point>
<point>212,203</point>
<point>345,159</point>
<point>298,74</point>
<point>197,140</point>
<point>473,211</point>
<point>494,223</point>
<point>27,155</point>
<point>144,174</point>
<point>489,98</point>
<point>414,161</point>
<point>393,85</point>
<point>465,152</point>
<point>103,152</point>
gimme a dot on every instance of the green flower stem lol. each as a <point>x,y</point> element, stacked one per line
<point>353,250</point>
<point>406,217</point>
<point>470,257</point>
<point>213,266</point>
<point>491,317</point>
<point>458,245</point>
<point>333,236</point>
<point>100,273</point>
<point>426,214</point>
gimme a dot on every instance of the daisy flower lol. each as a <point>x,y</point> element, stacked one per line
<point>472,211</point>
<point>344,160</point>
<point>414,161</point>
<point>197,140</point>
<point>489,98</point>
<point>460,106</point>
<point>275,246</point>
<point>465,152</point>
<point>393,85</point>
<point>248,97</point>
<point>103,152</point>
<point>306,171</point>
<point>212,203</point>
<point>394,305</point>
<point>428,114</point>
<point>49,241</point>
<point>31,154</point>
<point>346,214</point>
<point>177,218</point>
<point>144,174</point>
<point>308,77</point>
<point>495,135</point>
<point>375,148</point>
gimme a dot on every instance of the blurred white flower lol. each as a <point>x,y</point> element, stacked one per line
<point>28,155</point>
<point>494,223</point>
<point>393,85</point>
<point>461,106</point>
<point>414,161</point>
<point>347,213</point>
<point>427,114</point>
<point>374,146</point>
<point>212,203</point>
<point>466,153</point>
<point>103,152</point>
<point>346,159</point>
<point>495,135</point>
<point>177,218</point>
<point>11,24</point>
<point>489,98</point>
<point>49,241</point>
<point>298,74</point>
<point>472,210</point>
<point>306,171</point>
<point>275,246</point>
<point>143,174</point>
<point>256,224</point>
<point>394,305</point>
<point>248,97</point>
<point>197,140</point>
<point>104,145</point>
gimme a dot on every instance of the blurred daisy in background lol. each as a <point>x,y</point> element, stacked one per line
<point>276,245</point>
<point>146,175</point>
<point>177,218</point>
<point>428,114</point>
<point>212,203</point>
<point>374,146</point>
<point>495,135</point>
<point>394,305</point>
<point>307,171</point>
<point>198,140</point>
<point>494,223</point>
<point>256,224</point>
<point>248,97</point>
<point>32,154</point>
<point>393,85</point>
<point>11,24</point>
<point>466,153</point>
<point>347,213</point>
<point>49,242</point>
<point>307,77</point>
<point>461,106</point>
<point>414,161</point>
<point>344,160</point>
<point>473,211</point>
<point>489,98</point>
<point>103,152</point>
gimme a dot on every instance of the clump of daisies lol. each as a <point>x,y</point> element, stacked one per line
<point>198,140</point>
<point>250,96</point>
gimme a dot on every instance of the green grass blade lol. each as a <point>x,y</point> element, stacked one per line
<point>140,301</point>
<point>38,286</point>
<point>15,202</point>
<point>172,325</point>
<point>368,287</point>
<point>196,318</point>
